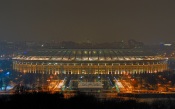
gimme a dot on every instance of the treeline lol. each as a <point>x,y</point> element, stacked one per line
<point>81,101</point>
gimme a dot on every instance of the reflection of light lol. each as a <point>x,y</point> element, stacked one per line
<point>9,87</point>
<point>8,73</point>
<point>1,70</point>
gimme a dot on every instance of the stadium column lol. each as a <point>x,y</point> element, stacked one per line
<point>112,70</point>
<point>88,71</point>
<point>98,68</point>
<point>36,70</point>
<point>105,70</point>
<point>78,69</point>
<point>81,69</point>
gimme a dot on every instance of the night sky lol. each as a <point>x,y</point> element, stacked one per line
<point>148,21</point>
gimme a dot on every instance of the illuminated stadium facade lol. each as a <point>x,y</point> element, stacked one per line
<point>88,69</point>
<point>89,61</point>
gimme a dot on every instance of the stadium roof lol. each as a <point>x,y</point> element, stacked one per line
<point>89,52</point>
<point>87,55</point>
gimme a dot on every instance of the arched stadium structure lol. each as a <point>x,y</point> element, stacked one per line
<point>89,61</point>
<point>89,64</point>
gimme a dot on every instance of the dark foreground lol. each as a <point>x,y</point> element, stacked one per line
<point>81,101</point>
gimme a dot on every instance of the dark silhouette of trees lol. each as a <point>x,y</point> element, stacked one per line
<point>45,100</point>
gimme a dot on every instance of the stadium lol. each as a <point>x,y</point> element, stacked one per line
<point>87,69</point>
